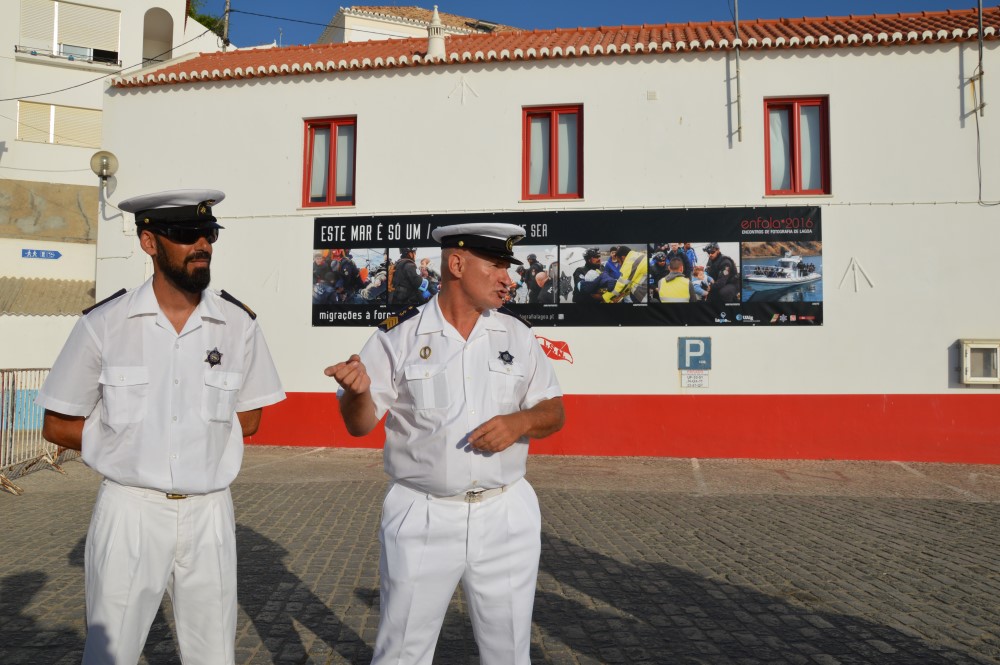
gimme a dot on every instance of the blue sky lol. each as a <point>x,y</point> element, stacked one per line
<point>248,30</point>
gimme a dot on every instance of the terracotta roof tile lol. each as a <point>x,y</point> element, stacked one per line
<point>824,32</point>
<point>22,296</point>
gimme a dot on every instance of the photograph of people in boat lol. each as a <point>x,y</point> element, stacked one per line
<point>349,276</point>
<point>604,274</point>
<point>782,271</point>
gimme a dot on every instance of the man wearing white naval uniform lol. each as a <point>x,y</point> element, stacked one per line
<point>157,387</point>
<point>465,384</point>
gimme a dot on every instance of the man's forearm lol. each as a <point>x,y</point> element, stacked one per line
<point>63,430</point>
<point>358,411</point>
<point>545,418</point>
<point>249,421</point>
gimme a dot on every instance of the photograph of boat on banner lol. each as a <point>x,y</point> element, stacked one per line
<point>782,271</point>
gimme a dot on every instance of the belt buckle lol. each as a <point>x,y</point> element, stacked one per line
<point>176,496</point>
<point>474,496</point>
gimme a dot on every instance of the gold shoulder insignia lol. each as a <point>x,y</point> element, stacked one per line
<point>394,320</point>
<point>227,296</point>
<point>117,294</point>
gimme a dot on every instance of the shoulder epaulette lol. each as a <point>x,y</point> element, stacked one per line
<point>509,312</point>
<point>230,298</point>
<point>396,319</point>
<point>117,294</point>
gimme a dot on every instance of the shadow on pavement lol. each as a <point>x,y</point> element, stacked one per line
<point>273,596</point>
<point>617,612</point>
<point>270,594</point>
<point>22,640</point>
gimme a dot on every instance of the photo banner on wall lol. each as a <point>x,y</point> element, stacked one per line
<point>669,267</point>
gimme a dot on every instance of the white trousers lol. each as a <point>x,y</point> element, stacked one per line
<point>139,545</point>
<point>429,545</point>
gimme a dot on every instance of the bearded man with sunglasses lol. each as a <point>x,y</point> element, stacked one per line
<point>157,387</point>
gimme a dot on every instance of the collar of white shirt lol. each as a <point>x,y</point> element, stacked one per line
<point>432,321</point>
<point>145,302</point>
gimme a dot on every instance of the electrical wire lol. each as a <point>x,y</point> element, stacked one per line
<point>46,132</point>
<point>281,18</point>
<point>977,98</point>
<point>101,78</point>
<point>231,11</point>
<point>324,25</point>
<point>16,168</point>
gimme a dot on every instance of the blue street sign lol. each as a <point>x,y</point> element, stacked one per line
<point>40,254</point>
<point>694,353</point>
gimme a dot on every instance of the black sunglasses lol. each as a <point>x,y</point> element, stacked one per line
<point>186,236</point>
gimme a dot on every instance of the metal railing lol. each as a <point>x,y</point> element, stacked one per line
<point>22,448</point>
<point>108,58</point>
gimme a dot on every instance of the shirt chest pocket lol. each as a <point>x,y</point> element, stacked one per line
<point>219,398</point>
<point>428,385</point>
<point>504,380</point>
<point>124,394</point>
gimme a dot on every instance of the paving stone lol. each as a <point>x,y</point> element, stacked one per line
<point>773,562</point>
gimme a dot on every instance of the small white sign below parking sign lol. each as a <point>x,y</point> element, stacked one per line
<point>694,378</point>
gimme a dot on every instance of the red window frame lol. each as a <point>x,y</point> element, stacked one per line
<point>794,105</point>
<point>553,113</point>
<point>307,157</point>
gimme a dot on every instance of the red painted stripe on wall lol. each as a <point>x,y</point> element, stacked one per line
<point>916,428</point>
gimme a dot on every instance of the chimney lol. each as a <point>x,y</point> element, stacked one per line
<point>435,37</point>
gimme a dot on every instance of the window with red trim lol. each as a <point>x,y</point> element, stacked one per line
<point>553,153</point>
<point>797,146</point>
<point>328,177</point>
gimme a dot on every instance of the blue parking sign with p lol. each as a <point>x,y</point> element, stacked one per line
<point>694,353</point>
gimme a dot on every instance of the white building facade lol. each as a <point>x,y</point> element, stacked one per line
<point>884,142</point>
<point>62,57</point>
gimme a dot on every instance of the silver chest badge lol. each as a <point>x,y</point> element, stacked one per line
<point>214,357</point>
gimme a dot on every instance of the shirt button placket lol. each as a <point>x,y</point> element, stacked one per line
<point>466,362</point>
<point>469,361</point>
<point>175,401</point>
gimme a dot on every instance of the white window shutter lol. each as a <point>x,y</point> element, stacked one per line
<point>37,24</point>
<point>33,122</point>
<point>90,27</point>
<point>79,127</point>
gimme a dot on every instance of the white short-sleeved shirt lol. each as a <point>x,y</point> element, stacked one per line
<point>438,387</point>
<point>160,411</point>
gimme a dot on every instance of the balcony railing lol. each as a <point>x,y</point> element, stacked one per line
<point>73,54</point>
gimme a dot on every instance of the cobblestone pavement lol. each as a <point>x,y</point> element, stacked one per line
<point>643,561</point>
